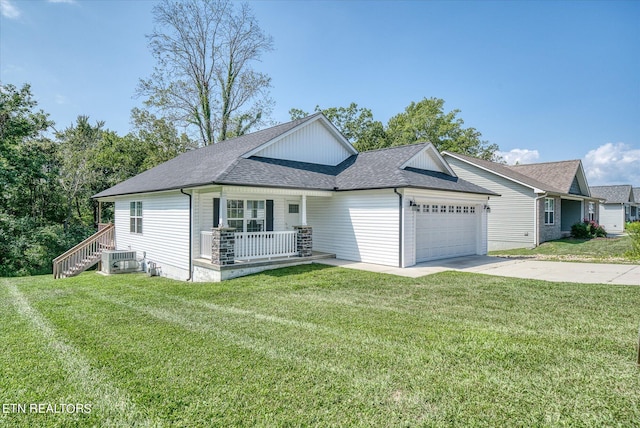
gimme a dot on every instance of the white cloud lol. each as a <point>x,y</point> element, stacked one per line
<point>613,164</point>
<point>9,10</point>
<point>519,156</point>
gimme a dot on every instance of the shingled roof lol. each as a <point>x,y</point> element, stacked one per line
<point>508,172</point>
<point>558,175</point>
<point>201,166</point>
<point>617,194</point>
<point>551,177</point>
<point>224,164</point>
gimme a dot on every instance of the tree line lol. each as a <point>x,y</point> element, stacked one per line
<point>47,176</point>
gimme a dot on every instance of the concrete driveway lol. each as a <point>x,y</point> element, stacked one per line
<point>585,273</point>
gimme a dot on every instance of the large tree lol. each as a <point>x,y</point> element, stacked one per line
<point>426,120</point>
<point>78,146</point>
<point>205,50</point>
<point>158,137</point>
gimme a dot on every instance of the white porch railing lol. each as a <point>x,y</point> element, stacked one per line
<point>256,245</point>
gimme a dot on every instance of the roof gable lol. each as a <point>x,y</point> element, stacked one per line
<point>502,170</point>
<point>567,176</point>
<point>429,159</point>
<point>618,194</point>
<point>202,166</point>
<point>314,141</point>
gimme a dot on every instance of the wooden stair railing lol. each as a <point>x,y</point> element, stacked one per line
<point>84,255</point>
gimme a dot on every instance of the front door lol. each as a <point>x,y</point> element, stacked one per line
<point>291,214</point>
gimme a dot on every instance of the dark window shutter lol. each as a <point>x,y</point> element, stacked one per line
<point>269,215</point>
<point>216,212</point>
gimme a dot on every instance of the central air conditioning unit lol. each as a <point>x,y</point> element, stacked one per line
<point>115,261</point>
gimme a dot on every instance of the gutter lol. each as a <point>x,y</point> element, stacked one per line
<point>400,228</point>
<point>536,220</point>
<point>190,233</point>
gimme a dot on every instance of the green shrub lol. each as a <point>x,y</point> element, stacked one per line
<point>633,229</point>
<point>588,229</point>
<point>580,231</point>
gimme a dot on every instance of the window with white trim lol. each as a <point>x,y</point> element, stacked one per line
<point>549,210</point>
<point>255,216</point>
<point>246,215</point>
<point>135,217</point>
<point>425,208</point>
<point>592,210</point>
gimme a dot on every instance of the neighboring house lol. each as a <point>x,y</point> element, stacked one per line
<point>293,192</point>
<point>540,202</point>
<point>620,206</point>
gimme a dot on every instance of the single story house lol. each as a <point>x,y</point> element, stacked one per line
<point>620,206</point>
<point>292,192</point>
<point>540,202</point>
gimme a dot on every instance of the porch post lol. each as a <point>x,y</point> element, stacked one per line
<point>222,246</point>
<point>304,210</point>
<point>304,240</point>
<point>223,211</point>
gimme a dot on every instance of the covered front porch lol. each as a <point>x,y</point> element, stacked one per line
<point>238,228</point>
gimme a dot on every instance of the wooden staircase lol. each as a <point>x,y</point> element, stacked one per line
<point>85,254</point>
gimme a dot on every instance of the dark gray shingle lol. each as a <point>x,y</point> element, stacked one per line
<point>612,194</point>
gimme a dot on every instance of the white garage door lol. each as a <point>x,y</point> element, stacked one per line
<point>445,230</point>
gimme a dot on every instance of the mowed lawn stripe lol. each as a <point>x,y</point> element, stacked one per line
<point>312,346</point>
<point>115,406</point>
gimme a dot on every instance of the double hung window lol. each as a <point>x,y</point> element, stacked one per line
<point>549,210</point>
<point>135,217</point>
<point>246,215</point>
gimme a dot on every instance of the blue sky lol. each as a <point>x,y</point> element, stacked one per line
<point>546,81</point>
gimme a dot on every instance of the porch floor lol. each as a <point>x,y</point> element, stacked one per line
<point>273,261</point>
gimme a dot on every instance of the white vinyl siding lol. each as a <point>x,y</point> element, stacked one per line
<point>165,237</point>
<point>511,219</point>
<point>313,143</point>
<point>358,226</point>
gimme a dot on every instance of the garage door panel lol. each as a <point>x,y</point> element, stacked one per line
<point>445,230</point>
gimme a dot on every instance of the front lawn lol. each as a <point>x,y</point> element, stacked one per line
<point>319,346</point>
<point>597,250</point>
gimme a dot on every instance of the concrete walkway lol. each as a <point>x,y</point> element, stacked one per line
<point>586,273</point>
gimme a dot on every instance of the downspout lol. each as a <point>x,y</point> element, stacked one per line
<point>400,224</point>
<point>536,220</point>
<point>190,233</point>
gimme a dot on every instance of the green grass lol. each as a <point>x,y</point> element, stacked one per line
<point>604,250</point>
<point>320,346</point>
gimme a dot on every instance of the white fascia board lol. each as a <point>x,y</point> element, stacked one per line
<point>582,180</point>
<point>438,157</point>
<point>330,127</point>
<point>443,195</point>
<point>276,191</point>
<point>535,189</point>
<point>139,194</point>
